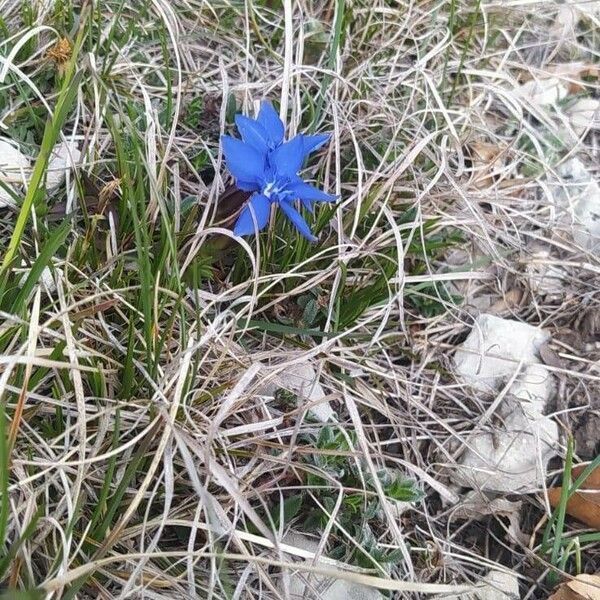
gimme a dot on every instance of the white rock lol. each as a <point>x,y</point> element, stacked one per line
<point>475,505</point>
<point>574,170</point>
<point>511,451</point>
<point>533,387</point>
<point>301,379</point>
<point>332,590</point>
<point>586,231</point>
<point>502,585</point>
<point>578,198</point>
<point>65,156</point>
<point>512,457</point>
<point>494,349</point>
<point>15,167</point>
<point>498,585</point>
<point>308,586</point>
<point>473,294</point>
<point>14,170</point>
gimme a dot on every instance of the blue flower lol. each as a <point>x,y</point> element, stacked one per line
<point>264,164</point>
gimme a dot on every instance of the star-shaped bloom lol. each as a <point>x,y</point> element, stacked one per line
<point>263,163</point>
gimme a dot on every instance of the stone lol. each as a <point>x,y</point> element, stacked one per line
<point>14,171</point>
<point>509,453</point>
<point>304,585</point>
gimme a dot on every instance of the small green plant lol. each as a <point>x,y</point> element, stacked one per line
<point>557,548</point>
<point>360,513</point>
<point>432,299</point>
<point>194,112</point>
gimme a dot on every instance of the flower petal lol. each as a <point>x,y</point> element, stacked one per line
<point>296,218</point>
<point>305,191</point>
<point>271,122</point>
<point>258,208</point>
<point>314,142</point>
<point>253,133</point>
<point>308,206</point>
<point>243,161</point>
<point>288,158</point>
<point>247,186</point>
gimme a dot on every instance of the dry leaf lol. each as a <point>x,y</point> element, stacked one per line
<point>583,587</point>
<point>550,358</point>
<point>304,585</point>
<point>15,169</point>
<point>543,92</point>
<point>585,8</point>
<point>486,158</point>
<point>544,271</point>
<point>584,505</point>
<point>572,72</point>
<point>477,505</point>
<point>583,115</point>
<point>587,435</point>
<point>302,380</point>
<point>509,301</point>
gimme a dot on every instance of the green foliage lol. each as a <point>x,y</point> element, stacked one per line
<point>28,15</point>
<point>63,15</point>
<point>361,511</point>
<point>145,268</point>
<point>63,107</point>
<point>22,595</point>
<point>192,117</point>
<point>431,299</point>
<point>281,514</point>
<point>558,549</point>
<point>54,242</point>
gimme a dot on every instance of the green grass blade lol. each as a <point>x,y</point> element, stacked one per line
<point>53,128</point>
<point>561,511</point>
<point>52,244</point>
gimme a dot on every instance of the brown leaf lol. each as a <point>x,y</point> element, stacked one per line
<point>583,587</point>
<point>486,158</point>
<point>509,301</point>
<point>95,309</point>
<point>584,505</point>
<point>592,482</point>
<point>573,73</point>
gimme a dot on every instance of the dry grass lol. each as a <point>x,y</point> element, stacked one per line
<point>148,457</point>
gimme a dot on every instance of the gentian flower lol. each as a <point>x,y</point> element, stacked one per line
<point>263,163</point>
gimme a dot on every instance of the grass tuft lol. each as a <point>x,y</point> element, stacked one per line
<point>156,437</point>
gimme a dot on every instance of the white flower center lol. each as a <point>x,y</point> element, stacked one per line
<point>275,190</point>
<point>269,189</point>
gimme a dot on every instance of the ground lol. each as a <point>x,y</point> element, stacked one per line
<point>177,402</point>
